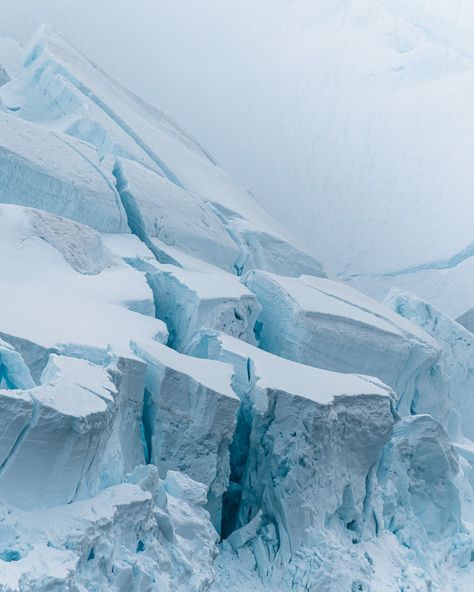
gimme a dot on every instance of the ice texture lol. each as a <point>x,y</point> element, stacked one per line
<point>186,401</point>
<point>36,472</point>
<point>326,324</point>
<point>293,417</point>
<point>189,418</point>
<point>44,169</point>
<point>187,301</point>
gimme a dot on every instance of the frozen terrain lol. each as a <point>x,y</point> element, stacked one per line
<point>350,120</point>
<point>187,402</point>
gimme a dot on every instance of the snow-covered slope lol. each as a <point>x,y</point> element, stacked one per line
<point>361,109</point>
<point>186,401</point>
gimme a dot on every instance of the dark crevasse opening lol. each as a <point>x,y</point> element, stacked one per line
<point>239,452</point>
<point>135,218</point>
<point>148,425</point>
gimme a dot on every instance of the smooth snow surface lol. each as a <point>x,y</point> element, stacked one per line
<point>187,402</point>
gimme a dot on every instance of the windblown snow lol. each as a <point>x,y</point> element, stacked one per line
<point>187,402</point>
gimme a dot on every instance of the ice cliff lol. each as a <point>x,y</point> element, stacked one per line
<point>187,402</point>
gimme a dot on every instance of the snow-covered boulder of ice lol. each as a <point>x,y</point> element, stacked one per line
<point>305,444</point>
<point>188,300</point>
<point>189,418</point>
<point>327,324</point>
<point>54,434</point>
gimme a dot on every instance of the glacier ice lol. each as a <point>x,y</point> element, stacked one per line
<point>166,209</point>
<point>456,361</point>
<point>36,472</point>
<point>187,401</point>
<point>133,537</point>
<point>319,322</point>
<point>188,301</point>
<point>189,418</point>
<point>292,419</point>
<point>40,168</point>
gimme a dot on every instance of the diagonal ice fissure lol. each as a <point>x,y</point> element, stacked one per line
<point>101,104</point>
<point>135,218</point>
<point>20,438</point>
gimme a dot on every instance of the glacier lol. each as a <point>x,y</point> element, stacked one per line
<point>187,400</point>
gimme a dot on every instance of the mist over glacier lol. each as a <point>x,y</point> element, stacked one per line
<point>235,238</point>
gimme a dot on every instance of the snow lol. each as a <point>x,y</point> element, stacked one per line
<point>42,169</point>
<point>273,372</point>
<point>326,324</point>
<point>187,301</point>
<point>64,297</point>
<point>187,402</point>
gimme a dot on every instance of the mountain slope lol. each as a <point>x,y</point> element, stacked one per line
<point>362,110</point>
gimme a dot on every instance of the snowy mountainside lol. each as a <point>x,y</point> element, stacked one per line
<point>187,401</point>
<point>361,107</point>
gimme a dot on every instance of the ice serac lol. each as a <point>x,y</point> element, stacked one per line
<point>306,443</point>
<point>189,300</point>
<point>420,478</point>
<point>456,362</point>
<point>166,210</point>
<point>125,448</point>
<point>189,418</point>
<point>269,252</point>
<point>34,471</point>
<point>45,169</point>
<point>327,324</point>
